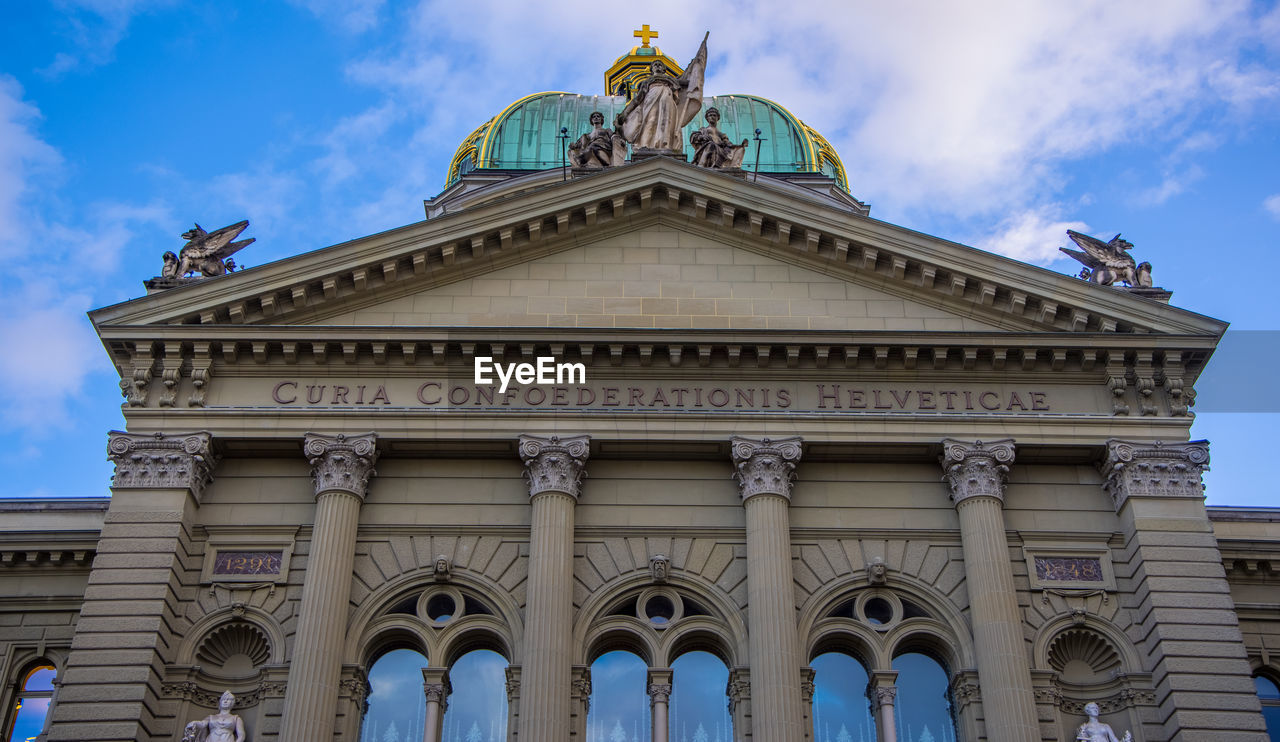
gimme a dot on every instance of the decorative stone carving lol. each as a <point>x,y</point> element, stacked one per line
<point>440,570</point>
<point>207,253</point>
<point>358,689</point>
<point>341,463</point>
<point>712,148</point>
<point>1097,731</point>
<point>1159,469</point>
<point>885,694</point>
<point>877,571</point>
<point>1108,262</point>
<point>738,688</point>
<point>659,693</point>
<point>765,466</point>
<point>435,692</point>
<point>555,464</point>
<point>182,460</point>
<point>598,148</point>
<point>223,726</point>
<point>976,469</point>
<point>513,683</point>
<point>663,104</point>
<point>658,566</point>
<point>808,684</point>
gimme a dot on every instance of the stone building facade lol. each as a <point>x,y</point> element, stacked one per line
<point>801,430</point>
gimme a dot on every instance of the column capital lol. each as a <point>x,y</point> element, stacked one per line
<point>341,463</point>
<point>977,468</point>
<point>808,684</point>
<point>883,695</point>
<point>162,460</point>
<point>555,464</point>
<point>764,466</point>
<point>738,689</point>
<point>659,685</point>
<point>435,684</point>
<point>1154,469</point>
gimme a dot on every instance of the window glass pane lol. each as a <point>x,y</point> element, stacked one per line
<point>1272,715</point>
<point>619,709</point>
<point>30,719</point>
<point>397,704</point>
<point>478,707</point>
<point>40,678</point>
<point>699,706</point>
<point>922,709</point>
<point>1266,689</point>
<point>841,712</point>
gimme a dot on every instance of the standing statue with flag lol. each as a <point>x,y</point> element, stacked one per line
<point>663,105</point>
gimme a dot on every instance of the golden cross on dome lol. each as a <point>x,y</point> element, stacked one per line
<point>644,34</point>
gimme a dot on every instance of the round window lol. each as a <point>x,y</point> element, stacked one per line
<point>441,607</point>
<point>659,609</point>
<point>878,611</point>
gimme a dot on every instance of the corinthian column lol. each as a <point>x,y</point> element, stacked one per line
<point>659,697</point>
<point>764,470</point>
<point>554,468</point>
<point>975,473</point>
<point>436,687</point>
<point>341,467</point>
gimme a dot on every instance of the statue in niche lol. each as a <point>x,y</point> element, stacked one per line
<point>1108,262</point>
<point>223,726</point>
<point>663,104</point>
<point>1097,731</point>
<point>658,566</point>
<point>712,148</point>
<point>207,253</point>
<point>441,569</point>
<point>599,147</point>
<point>877,571</point>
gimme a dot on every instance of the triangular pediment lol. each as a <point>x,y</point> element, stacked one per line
<point>657,227</point>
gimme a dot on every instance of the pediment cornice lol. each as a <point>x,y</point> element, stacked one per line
<point>782,222</point>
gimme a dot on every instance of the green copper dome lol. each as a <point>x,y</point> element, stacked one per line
<point>524,135</point>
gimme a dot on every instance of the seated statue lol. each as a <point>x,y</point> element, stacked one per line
<point>1097,731</point>
<point>712,148</point>
<point>599,147</point>
<point>223,726</point>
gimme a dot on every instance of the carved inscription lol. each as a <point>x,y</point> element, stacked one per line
<point>1068,569</point>
<point>247,563</point>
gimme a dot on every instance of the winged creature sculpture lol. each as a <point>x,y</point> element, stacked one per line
<point>1108,262</point>
<point>206,252</point>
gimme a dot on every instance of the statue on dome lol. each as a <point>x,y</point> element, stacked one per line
<point>599,147</point>
<point>223,726</point>
<point>663,105</point>
<point>712,148</point>
<point>1098,731</point>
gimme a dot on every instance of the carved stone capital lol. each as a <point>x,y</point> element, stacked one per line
<point>764,466</point>
<point>513,683</point>
<point>659,693</point>
<point>178,460</point>
<point>976,469</point>
<point>341,463</point>
<point>885,695</point>
<point>807,684</point>
<point>435,684</point>
<point>555,464</point>
<point>1156,469</point>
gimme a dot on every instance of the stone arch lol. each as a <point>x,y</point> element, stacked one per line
<point>392,632</point>
<point>620,633</point>
<point>698,634</point>
<point>252,619</point>
<point>373,610</point>
<point>926,636</point>
<point>470,633</point>
<point>947,624</point>
<point>850,637</point>
<point>731,629</point>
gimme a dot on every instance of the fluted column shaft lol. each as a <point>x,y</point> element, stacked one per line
<point>341,467</point>
<point>764,470</point>
<point>554,469</point>
<point>976,474</point>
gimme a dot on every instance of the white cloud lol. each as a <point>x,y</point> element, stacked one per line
<point>1033,235</point>
<point>1272,205</point>
<point>96,27</point>
<point>351,15</point>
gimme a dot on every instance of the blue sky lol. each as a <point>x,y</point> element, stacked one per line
<point>994,124</point>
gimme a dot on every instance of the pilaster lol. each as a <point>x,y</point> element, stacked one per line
<point>765,470</point>
<point>554,468</point>
<point>341,467</point>
<point>1201,674</point>
<point>738,689</point>
<point>123,637</point>
<point>975,473</point>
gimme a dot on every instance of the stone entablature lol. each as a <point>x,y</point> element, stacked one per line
<point>182,461</point>
<point>1156,469</point>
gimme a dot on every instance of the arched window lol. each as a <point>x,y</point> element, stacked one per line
<point>841,712</point>
<point>35,693</point>
<point>1269,695</point>
<point>397,705</point>
<point>922,709</point>
<point>699,707</point>
<point>478,706</point>
<point>619,707</point>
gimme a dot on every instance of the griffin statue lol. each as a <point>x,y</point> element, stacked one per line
<point>1108,262</point>
<point>206,252</point>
